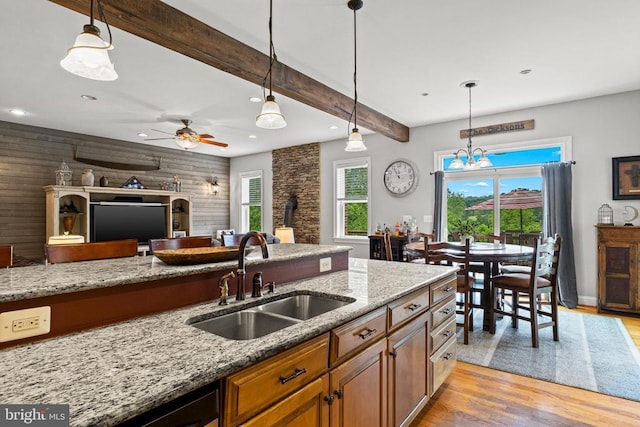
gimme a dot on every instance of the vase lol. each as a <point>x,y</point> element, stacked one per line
<point>87,178</point>
<point>464,237</point>
<point>104,181</point>
<point>67,223</point>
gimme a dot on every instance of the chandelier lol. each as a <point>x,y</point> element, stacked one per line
<point>470,152</point>
<point>270,117</point>
<point>355,142</point>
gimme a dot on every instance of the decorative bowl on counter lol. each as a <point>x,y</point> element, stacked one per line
<point>205,254</point>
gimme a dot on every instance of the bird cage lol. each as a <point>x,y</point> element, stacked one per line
<point>63,175</point>
<point>605,215</point>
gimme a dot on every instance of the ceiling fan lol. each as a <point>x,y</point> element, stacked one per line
<point>187,138</point>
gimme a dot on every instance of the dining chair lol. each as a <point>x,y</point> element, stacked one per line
<point>388,253</point>
<point>426,237</point>
<point>180,242</point>
<point>6,255</point>
<point>543,278</point>
<point>91,251</point>
<point>456,254</point>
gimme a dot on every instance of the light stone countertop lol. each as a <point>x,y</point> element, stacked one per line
<point>110,374</point>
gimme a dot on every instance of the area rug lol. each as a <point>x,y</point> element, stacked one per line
<point>594,353</point>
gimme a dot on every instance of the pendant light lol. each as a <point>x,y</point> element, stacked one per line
<point>355,142</point>
<point>270,117</point>
<point>469,152</point>
<point>89,57</point>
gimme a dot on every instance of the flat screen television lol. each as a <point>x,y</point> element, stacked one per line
<point>128,221</point>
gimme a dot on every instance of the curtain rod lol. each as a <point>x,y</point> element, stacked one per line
<point>568,162</point>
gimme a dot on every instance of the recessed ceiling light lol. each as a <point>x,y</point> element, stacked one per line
<point>18,112</point>
<point>255,99</point>
<point>88,97</point>
<point>527,71</point>
<point>333,127</point>
<point>142,134</point>
<point>253,136</point>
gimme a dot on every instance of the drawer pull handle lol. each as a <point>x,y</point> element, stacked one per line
<point>447,311</point>
<point>413,307</point>
<point>447,356</point>
<point>368,333</point>
<point>296,373</point>
<point>448,289</point>
<point>447,333</point>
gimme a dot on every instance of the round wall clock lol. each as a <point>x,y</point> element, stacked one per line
<point>401,177</point>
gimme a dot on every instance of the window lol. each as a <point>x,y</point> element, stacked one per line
<point>251,204</point>
<point>352,182</point>
<point>505,197</point>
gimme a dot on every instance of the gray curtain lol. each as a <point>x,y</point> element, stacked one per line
<point>556,218</point>
<point>437,205</point>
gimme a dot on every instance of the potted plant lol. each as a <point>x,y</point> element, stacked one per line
<point>464,228</point>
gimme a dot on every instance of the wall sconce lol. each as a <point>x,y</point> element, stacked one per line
<point>214,186</point>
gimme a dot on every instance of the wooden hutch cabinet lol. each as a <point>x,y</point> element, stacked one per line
<point>618,278</point>
<point>376,247</point>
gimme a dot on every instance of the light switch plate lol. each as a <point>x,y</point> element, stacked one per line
<point>25,323</point>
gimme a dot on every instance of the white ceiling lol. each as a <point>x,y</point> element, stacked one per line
<point>575,48</point>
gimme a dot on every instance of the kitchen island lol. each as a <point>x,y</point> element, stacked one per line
<point>112,373</point>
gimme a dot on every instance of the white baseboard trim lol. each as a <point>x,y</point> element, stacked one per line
<point>592,301</point>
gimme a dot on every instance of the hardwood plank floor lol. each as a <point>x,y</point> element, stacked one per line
<point>478,396</point>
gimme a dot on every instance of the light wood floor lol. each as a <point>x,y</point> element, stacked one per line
<point>478,396</point>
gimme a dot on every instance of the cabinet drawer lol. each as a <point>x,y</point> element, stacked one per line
<point>442,363</point>
<point>443,289</point>
<point>443,311</point>
<point>358,334</point>
<point>408,306</point>
<point>254,388</point>
<point>441,334</point>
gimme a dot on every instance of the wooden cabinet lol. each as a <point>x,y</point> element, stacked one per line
<point>618,277</point>
<point>409,385</point>
<point>178,207</point>
<point>376,247</point>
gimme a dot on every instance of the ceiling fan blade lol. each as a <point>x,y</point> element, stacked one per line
<point>161,131</point>
<point>219,144</point>
<point>155,139</point>
<point>204,135</point>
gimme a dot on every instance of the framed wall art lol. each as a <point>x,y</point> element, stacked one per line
<point>626,178</point>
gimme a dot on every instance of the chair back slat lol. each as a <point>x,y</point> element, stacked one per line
<point>490,238</point>
<point>449,253</point>
<point>6,255</point>
<point>388,253</point>
<point>546,256</point>
<point>91,251</point>
<point>180,243</point>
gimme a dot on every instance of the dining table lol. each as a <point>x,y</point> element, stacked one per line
<point>491,255</point>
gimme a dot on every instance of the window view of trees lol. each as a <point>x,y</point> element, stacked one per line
<point>352,198</point>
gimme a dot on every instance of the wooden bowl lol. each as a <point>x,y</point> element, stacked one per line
<point>201,255</point>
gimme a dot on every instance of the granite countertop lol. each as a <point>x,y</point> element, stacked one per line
<point>110,374</point>
<point>43,280</point>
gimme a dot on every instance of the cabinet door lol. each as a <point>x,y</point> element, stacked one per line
<point>408,371</point>
<point>618,275</point>
<point>307,407</point>
<point>359,388</point>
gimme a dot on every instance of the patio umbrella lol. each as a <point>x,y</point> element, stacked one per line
<point>520,198</point>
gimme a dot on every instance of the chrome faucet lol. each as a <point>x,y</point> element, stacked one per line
<point>241,259</point>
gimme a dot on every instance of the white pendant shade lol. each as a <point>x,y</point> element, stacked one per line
<point>89,58</point>
<point>186,141</point>
<point>355,142</point>
<point>270,117</point>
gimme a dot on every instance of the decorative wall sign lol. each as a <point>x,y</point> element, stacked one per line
<point>504,127</point>
<point>626,178</point>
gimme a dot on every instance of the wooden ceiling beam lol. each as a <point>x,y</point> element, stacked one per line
<point>166,26</point>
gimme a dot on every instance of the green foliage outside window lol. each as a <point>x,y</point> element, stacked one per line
<point>255,218</point>
<point>357,215</point>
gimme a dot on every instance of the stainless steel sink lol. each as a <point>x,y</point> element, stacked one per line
<point>302,307</point>
<point>261,320</point>
<point>245,324</point>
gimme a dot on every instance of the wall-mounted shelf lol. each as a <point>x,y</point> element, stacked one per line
<point>178,206</point>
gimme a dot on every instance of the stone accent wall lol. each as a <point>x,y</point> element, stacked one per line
<point>29,157</point>
<point>296,170</point>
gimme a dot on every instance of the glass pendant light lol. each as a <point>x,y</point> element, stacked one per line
<point>355,142</point>
<point>270,117</point>
<point>89,55</point>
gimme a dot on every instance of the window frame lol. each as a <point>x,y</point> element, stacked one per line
<point>338,222</point>
<point>250,175</point>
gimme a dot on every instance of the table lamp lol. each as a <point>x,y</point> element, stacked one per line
<point>285,234</point>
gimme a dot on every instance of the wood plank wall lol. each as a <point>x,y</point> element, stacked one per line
<point>29,157</point>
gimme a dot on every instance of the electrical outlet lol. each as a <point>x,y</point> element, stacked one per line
<point>325,264</point>
<point>29,322</point>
